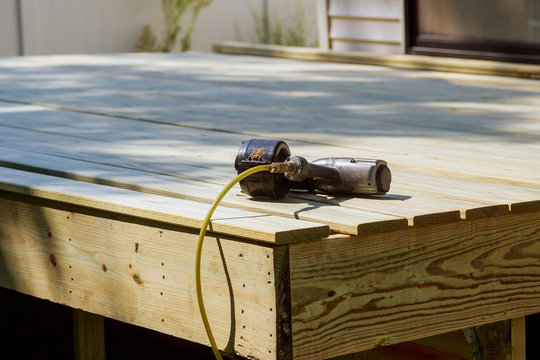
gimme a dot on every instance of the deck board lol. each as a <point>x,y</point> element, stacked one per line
<point>339,219</point>
<point>85,142</point>
<point>187,213</point>
<point>397,114</point>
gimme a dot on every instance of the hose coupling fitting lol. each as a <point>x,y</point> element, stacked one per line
<point>282,167</point>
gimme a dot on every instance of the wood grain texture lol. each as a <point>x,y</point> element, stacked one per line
<point>401,106</point>
<point>448,346</point>
<point>412,201</point>
<point>142,274</point>
<point>418,212</point>
<point>353,295</point>
<point>494,343</point>
<point>230,221</point>
<point>88,335</point>
<point>342,220</point>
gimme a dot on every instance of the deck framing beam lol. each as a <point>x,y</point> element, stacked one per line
<point>354,294</point>
<point>140,272</point>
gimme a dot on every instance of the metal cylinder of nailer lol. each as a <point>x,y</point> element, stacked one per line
<point>356,176</point>
<point>263,152</point>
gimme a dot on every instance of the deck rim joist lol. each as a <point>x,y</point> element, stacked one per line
<point>141,271</point>
<point>358,294</point>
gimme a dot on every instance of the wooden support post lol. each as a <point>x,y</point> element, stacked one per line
<point>518,338</point>
<point>88,335</point>
<point>494,340</point>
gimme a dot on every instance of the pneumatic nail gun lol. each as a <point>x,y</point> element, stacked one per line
<point>347,176</point>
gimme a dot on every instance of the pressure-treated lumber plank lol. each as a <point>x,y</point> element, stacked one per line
<point>128,94</point>
<point>229,221</point>
<point>339,219</point>
<point>439,209</point>
<point>456,116</point>
<point>88,335</point>
<point>218,68</point>
<point>142,272</point>
<point>519,199</point>
<point>419,208</point>
<point>417,211</point>
<point>350,295</point>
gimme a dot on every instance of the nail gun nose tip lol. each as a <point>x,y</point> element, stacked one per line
<point>383,177</point>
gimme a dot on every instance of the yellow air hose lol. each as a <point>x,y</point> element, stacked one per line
<point>199,251</point>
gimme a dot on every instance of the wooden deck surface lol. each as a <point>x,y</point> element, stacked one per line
<point>154,137</point>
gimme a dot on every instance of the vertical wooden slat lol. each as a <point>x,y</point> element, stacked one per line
<point>322,24</point>
<point>494,341</point>
<point>88,335</point>
<point>518,338</point>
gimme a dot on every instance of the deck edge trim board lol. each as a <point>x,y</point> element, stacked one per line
<point>407,62</point>
<point>229,221</point>
<point>525,206</point>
